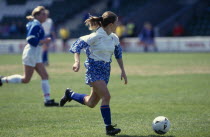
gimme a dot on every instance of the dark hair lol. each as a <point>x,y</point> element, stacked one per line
<point>102,21</point>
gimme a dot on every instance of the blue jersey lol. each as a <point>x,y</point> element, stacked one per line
<point>35,32</point>
<point>146,35</point>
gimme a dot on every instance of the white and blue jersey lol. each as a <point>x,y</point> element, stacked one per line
<point>48,28</point>
<point>99,48</point>
<point>35,32</point>
<point>32,53</point>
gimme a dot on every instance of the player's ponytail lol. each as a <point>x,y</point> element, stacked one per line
<point>30,17</point>
<point>35,12</point>
<point>102,21</point>
<point>93,22</point>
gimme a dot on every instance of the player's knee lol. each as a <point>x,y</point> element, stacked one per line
<point>106,98</point>
<point>25,80</point>
<point>45,77</point>
<point>91,104</point>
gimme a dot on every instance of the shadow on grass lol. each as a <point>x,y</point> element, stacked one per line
<point>142,136</point>
<point>71,106</point>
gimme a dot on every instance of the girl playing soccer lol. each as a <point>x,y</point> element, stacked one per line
<point>99,47</point>
<point>32,55</point>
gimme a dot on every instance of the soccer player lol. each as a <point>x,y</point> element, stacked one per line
<point>147,37</point>
<point>99,47</point>
<point>49,32</point>
<point>31,57</point>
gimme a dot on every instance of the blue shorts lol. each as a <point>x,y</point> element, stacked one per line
<point>97,70</point>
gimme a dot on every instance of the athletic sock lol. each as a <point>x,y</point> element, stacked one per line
<point>46,90</point>
<point>12,79</point>
<point>78,97</point>
<point>106,114</point>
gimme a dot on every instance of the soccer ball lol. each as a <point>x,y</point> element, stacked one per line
<point>161,125</point>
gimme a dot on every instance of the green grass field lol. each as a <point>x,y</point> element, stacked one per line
<point>175,85</point>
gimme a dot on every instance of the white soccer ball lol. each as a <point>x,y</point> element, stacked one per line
<point>161,125</point>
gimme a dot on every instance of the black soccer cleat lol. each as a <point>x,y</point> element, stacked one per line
<point>66,97</point>
<point>51,103</point>
<point>1,81</point>
<point>111,131</point>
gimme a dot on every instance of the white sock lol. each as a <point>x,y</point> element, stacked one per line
<point>46,89</point>
<point>12,79</point>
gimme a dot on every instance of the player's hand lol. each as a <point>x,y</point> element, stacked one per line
<point>47,40</point>
<point>76,67</point>
<point>123,76</point>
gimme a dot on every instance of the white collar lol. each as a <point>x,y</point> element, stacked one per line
<point>102,31</point>
<point>37,21</point>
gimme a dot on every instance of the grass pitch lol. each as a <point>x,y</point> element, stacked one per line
<point>175,85</point>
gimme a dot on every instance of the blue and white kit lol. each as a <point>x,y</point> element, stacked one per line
<point>32,51</point>
<point>48,28</point>
<point>99,48</point>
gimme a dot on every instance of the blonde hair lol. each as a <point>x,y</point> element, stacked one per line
<point>35,12</point>
<point>94,22</point>
<point>47,12</point>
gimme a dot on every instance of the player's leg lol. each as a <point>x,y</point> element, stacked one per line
<point>93,99</point>
<point>155,47</point>
<point>40,69</point>
<point>146,47</point>
<point>103,92</point>
<point>28,72</point>
<point>64,45</point>
<point>45,54</point>
<point>71,95</point>
<point>89,100</point>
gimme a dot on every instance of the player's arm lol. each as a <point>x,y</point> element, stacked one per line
<point>45,40</point>
<point>123,74</point>
<point>76,65</point>
<point>118,56</point>
<point>76,49</point>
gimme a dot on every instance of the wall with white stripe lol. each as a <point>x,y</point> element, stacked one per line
<point>164,44</point>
